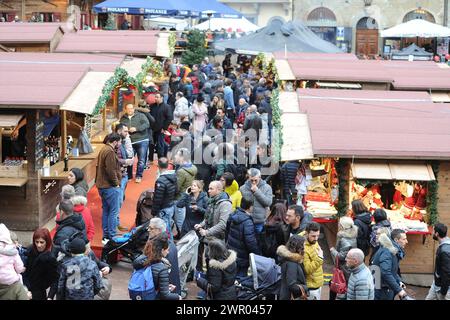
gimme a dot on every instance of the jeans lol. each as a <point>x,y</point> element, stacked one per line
<point>141,149</point>
<point>167,215</point>
<point>434,294</point>
<point>158,145</point>
<point>179,216</point>
<point>123,186</point>
<point>259,227</point>
<point>384,294</point>
<point>110,210</point>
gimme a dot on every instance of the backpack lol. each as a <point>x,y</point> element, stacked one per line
<point>141,285</point>
<point>338,284</point>
<point>144,207</point>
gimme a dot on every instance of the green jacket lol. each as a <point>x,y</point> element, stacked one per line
<point>185,175</point>
<point>140,122</point>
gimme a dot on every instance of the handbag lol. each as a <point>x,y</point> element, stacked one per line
<point>303,294</point>
<point>338,284</point>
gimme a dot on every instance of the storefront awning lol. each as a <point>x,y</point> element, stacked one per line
<point>440,97</point>
<point>9,120</point>
<point>296,137</point>
<point>85,96</point>
<point>379,170</point>
<point>284,70</point>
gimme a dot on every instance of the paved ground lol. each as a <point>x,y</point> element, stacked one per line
<point>122,271</point>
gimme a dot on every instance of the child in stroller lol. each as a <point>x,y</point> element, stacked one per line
<point>131,244</point>
<point>264,282</point>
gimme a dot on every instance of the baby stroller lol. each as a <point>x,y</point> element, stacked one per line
<point>187,248</point>
<point>264,282</point>
<point>130,244</point>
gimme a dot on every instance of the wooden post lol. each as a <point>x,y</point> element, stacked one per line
<point>1,149</point>
<point>24,12</point>
<point>104,118</point>
<point>63,135</point>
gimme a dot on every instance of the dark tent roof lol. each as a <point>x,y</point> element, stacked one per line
<point>414,50</point>
<point>277,35</point>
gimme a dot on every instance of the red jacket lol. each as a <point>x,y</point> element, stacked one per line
<point>79,207</point>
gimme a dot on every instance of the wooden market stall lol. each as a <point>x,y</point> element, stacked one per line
<point>376,143</point>
<point>31,37</point>
<point>47,98</point>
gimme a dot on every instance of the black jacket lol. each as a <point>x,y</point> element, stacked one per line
<point>160,273</point>
<point>165,192</point>
<point>265,104</point>
<point>253,121</point>
<point>163,116</point>
<point>288,174</point>
<point>292,273</point>
<point>193,217</point>
<point>273,237</point>
<point>41,270</point>
<point>220,278</point>
<point>240,236</point>
<point>442,269</point>
<point>363,222</point>
<point>67,228</point>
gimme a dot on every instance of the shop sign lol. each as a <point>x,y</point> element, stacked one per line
<point>340,34</point>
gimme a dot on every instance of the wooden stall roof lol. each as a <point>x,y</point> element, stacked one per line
<point>123,42</point>
<point>33,80</point>
<point>29,32</point>
<point>376,124</point>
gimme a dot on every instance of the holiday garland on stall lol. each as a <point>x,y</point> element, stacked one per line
<point>270,71</point>
<point>150,66</point>
<point>259,61</point>
<point>172,43</point>
<point>276,121</point>
<point>120,78</point>
<point>342,205</point>
<point>432,195</point>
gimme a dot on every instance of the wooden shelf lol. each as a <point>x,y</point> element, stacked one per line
<point>13,182</point>
<point>90,156</point>
<point>57,170</point>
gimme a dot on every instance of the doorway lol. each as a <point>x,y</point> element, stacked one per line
<point>367,37</point>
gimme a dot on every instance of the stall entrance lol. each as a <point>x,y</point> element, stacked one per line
<point>367,37</point>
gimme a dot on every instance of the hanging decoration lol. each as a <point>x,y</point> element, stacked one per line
<point>259,61</point>
<point>270,71</point>
<point>172,43</point>
<point>151,70</point>
<point>120,78</point>
<point>276,121</point>
<point>342,204</point>
<point>432,196</point>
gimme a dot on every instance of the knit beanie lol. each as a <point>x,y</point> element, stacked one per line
<point>78,173</point>
<point>77,246</point>
<point>346,222</point>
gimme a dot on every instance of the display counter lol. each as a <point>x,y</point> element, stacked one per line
<point>13,182</point>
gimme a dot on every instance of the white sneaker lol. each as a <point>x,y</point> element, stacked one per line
<point>105,241</point>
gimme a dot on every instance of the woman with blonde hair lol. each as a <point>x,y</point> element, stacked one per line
<point>346,240</point>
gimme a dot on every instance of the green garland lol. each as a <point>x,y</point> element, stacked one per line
<point>342,205</point>
<point>271,69</point>
<point>150,65</point>
<point>276,120</point>
<point>259,61</point>
<point>172,43</point>
<point>120,77</point>
<point>432,196</point>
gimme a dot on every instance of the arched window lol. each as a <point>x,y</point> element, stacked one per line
<point>321,17</point>
<point>367,23</point>
<point>419,14</point>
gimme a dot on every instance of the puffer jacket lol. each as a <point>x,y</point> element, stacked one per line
<point>240,237</point>
<point>11,266</point>
<point>67,228</point>
<point>81,188</point>
<point>262,199</point>
<point>312,264</point>
<point>292,273</point>
<point>41,270</point>
<point>360,284</point>
<point>185,175</point>
<point>79,207</point>
<point>346,240</point>
<point>235,195</point>
<point>220,278</point>
<point>181,109</point>
<point>165,191</point>
<point>216,216</point>
<point>90,280</point>
<point>288,173</point>
<point>160,273</point>
<point>387,259</point>
<point>363,221</point>
<point>442,268</point>
<point>139,121</point>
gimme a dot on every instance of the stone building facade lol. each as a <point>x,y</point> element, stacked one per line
<point>353,25</point>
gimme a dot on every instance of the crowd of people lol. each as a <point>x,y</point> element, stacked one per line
<point>207,129</point>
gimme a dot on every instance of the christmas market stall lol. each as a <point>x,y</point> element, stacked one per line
<point>48,106</point>
<point>389,149</point>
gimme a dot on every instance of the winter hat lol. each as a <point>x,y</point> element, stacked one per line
<point>77,246</point>
<point>185,125</point>
<point>346,223</point>
<point>67,192</point>
<point>78,173</point>
<point>5,236</point>
<point>379,215</point>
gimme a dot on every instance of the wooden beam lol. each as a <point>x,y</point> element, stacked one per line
<point>104,118</point>
<point>24,11</point>
<point>1,150</point>
<point>63,135</point>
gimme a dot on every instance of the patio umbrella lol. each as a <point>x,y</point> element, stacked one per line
<point>416,28</point>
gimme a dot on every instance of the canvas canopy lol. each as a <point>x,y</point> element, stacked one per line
<point>278,36</point>
<point>416,28</point>
<point>238,25</point>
